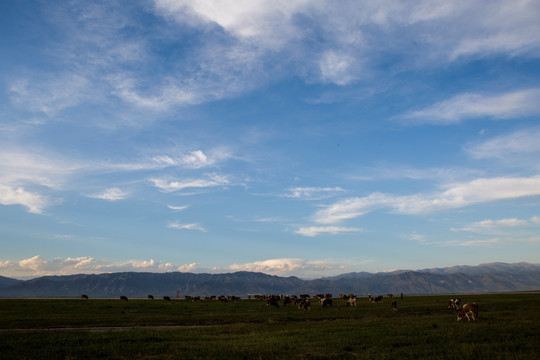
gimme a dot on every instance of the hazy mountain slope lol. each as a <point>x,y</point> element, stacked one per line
<point>495,277</point>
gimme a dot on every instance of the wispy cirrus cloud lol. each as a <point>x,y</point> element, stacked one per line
<point>110,194</point>
<point>179,226</point>
<point>521,147</point>
<point>318,230</point>
<point>473,106</point>
<point>312,193</point>
<point>177,208</point>
<point>491,226</point>
<point>212,180</point>
<point>455,196</point>
<point>194,159</point>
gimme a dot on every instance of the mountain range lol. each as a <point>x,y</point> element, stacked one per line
<point>493,277</point>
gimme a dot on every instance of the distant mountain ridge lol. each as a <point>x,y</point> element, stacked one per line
<point>494,277</point>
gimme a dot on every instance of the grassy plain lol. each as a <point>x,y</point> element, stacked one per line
<point>423,327</point>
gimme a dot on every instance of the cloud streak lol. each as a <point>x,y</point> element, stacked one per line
<point>179,226</point>
<point>473,106</point>
<point>313,231</point>
<point>456,196</point>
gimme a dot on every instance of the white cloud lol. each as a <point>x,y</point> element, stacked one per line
<point>110,194</point>
<point>177,208</point>
<point>473,243</point>
<point>39,266</point>
<point>179,226</point>
<point>312,193</point>
<point>456,196</point>
<point>50,93</point>
<point>195,159</point>
<point>511,147</point>
<point>35,203</point>
<point>494,226</point>
<point>337,68</point>
<point>213,180</point>
<point>472,106</point>
<point>318,230</point>
<point>289,266</point>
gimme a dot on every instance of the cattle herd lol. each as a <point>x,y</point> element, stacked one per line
<point>303,302</point>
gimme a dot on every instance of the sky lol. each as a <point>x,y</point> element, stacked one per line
<point>295,138</point>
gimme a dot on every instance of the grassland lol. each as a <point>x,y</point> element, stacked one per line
<point>423,327</point>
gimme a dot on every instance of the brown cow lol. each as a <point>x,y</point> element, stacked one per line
<point>351,302</point>
<point>454,304</point>
<point>304,304</point>
<point>470,311</point>
<point>326,302</point>
<point>378,299</point>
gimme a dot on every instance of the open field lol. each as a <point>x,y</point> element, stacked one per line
<point>423,327</point>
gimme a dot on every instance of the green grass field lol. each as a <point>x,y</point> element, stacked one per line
<point>423,327</point>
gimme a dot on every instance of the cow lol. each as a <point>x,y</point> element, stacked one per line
<point>304,304</point>
<point>272,302</point>
<point>123,298</point>
<point>454,304</point>
<point>287,300</point>
<point>376,300</point>
<point>470,311</point>
<point>166,298</point>
<point>326,302</point>
<point>84,296</point>
<point>351,302</point>
<point>150,297</point>
<point>394,305</point>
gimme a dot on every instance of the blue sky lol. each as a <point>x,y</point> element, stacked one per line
<point>306,138</point>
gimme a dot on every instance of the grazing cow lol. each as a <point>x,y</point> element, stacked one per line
<point>470,311</point>
<point>150,297</point>
<point>222,298</point>
<point>454,304</point>
<point>166,298</point>
<point>124,298</point>
<point>326,302</point>
<point>376,300</point>
<point>84,296</point>
<point>304,304</point>
<point>394,305</point>
<point>287,300</point>
<point>272,302</point>
<point>351,302</point>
